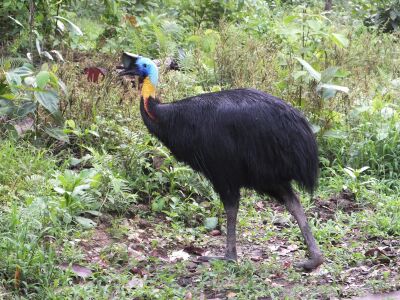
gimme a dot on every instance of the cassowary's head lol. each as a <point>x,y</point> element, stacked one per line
<point>139,66</point>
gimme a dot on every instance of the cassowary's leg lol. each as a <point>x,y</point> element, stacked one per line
<point>293,205</point>
<point>231,217</point>
<point>231,205</point>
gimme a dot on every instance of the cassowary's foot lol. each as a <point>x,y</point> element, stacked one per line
<point>293,205</point>
<point>310,264</point>
<point>210,258</point>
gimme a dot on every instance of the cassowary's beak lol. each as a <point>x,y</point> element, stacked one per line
<point>129,64</point>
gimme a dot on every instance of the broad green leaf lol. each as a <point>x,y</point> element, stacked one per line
<point>44,67</point>
<point>297,74</point>
<point>60,25</point>
<point>8,96</point>
<point>57,133</point>
<point>289,19</point>
<point>328,74</point>
<point>25,108</point>
<point>70,124</point>
<point>58,54</point>
<point>13,78</point>
<point>6,107</point>
<point>46,54</point>
<point>16,21</point>
<point>383,133</point>
<point>158,204</point>
<point>336,134</point>
<point>95,133</point>
<point>62,86</point>
<point>342,73</point>
<point>49,100</point>
<point>340,40</point>
<point>340,88</point>
<point>211,223</point>
<point>314,74</point>
<point>42,78</point>
<point>327,93</point>
<point>363,169</point>
<point>39,50</point>
<point>72,27</point>
<point>94,213</point>
<point>314,25</point>
<point>53,80</point>
<point>85,222</point>
<point>23,71</point>
<point>350,173</point>
<point>30,80</point>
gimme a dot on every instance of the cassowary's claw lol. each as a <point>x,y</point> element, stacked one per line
<point>310,264</point>
<point>210,258</point>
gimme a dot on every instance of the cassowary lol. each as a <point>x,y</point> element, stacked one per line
<point>236,138</point>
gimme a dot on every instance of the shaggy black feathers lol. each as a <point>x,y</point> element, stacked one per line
<point>239,138</point>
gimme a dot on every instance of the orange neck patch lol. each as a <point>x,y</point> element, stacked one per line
<point>148,90</point>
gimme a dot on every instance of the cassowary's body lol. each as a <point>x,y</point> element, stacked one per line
<point>236,138</point>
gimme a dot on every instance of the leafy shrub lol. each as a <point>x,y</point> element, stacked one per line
<point>26,96</point>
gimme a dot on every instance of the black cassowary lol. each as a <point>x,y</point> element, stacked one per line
<point>236,138</point>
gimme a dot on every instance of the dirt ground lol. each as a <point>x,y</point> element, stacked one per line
<point>142,240</point>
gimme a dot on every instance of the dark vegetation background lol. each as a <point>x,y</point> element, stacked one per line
<point>91,206</point>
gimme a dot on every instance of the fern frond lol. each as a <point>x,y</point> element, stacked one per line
<point>7,62</point>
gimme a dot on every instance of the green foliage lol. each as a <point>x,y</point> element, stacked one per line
<point>39,22</point>
<point>26,94</point>
<point>386,19</point>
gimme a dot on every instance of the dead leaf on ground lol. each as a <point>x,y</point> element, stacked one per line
<point>281,221</point>
<point>256,255</point>
<point>139,271</point>
<point>188,296</point>
<point>194,250</point>
<point>179,255</point>
<point>137,255</point>
<point>287,264</point>
<point>260,205</point>
<point>191,266</point>
<point>78,270</point>
<point>24,125</point>
<point>377,254</point>
<point>215,232</point>
<point>157,162</point>
<point>135,283</point>
<point>17,277</point>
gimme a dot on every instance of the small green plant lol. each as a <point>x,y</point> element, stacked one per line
<point>77,192</point>
<point>29,97</point>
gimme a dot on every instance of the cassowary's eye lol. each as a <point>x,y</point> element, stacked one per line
<point>145,65</point>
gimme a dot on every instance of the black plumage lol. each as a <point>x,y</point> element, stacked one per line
<point>240,138</point>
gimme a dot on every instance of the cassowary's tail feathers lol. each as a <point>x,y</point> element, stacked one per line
<point>307,160</point>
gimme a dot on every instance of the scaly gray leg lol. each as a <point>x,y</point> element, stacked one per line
<point>231,205</point>
<point>294,207</point>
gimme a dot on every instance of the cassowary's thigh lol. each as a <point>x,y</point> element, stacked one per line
<point>278,192</point>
